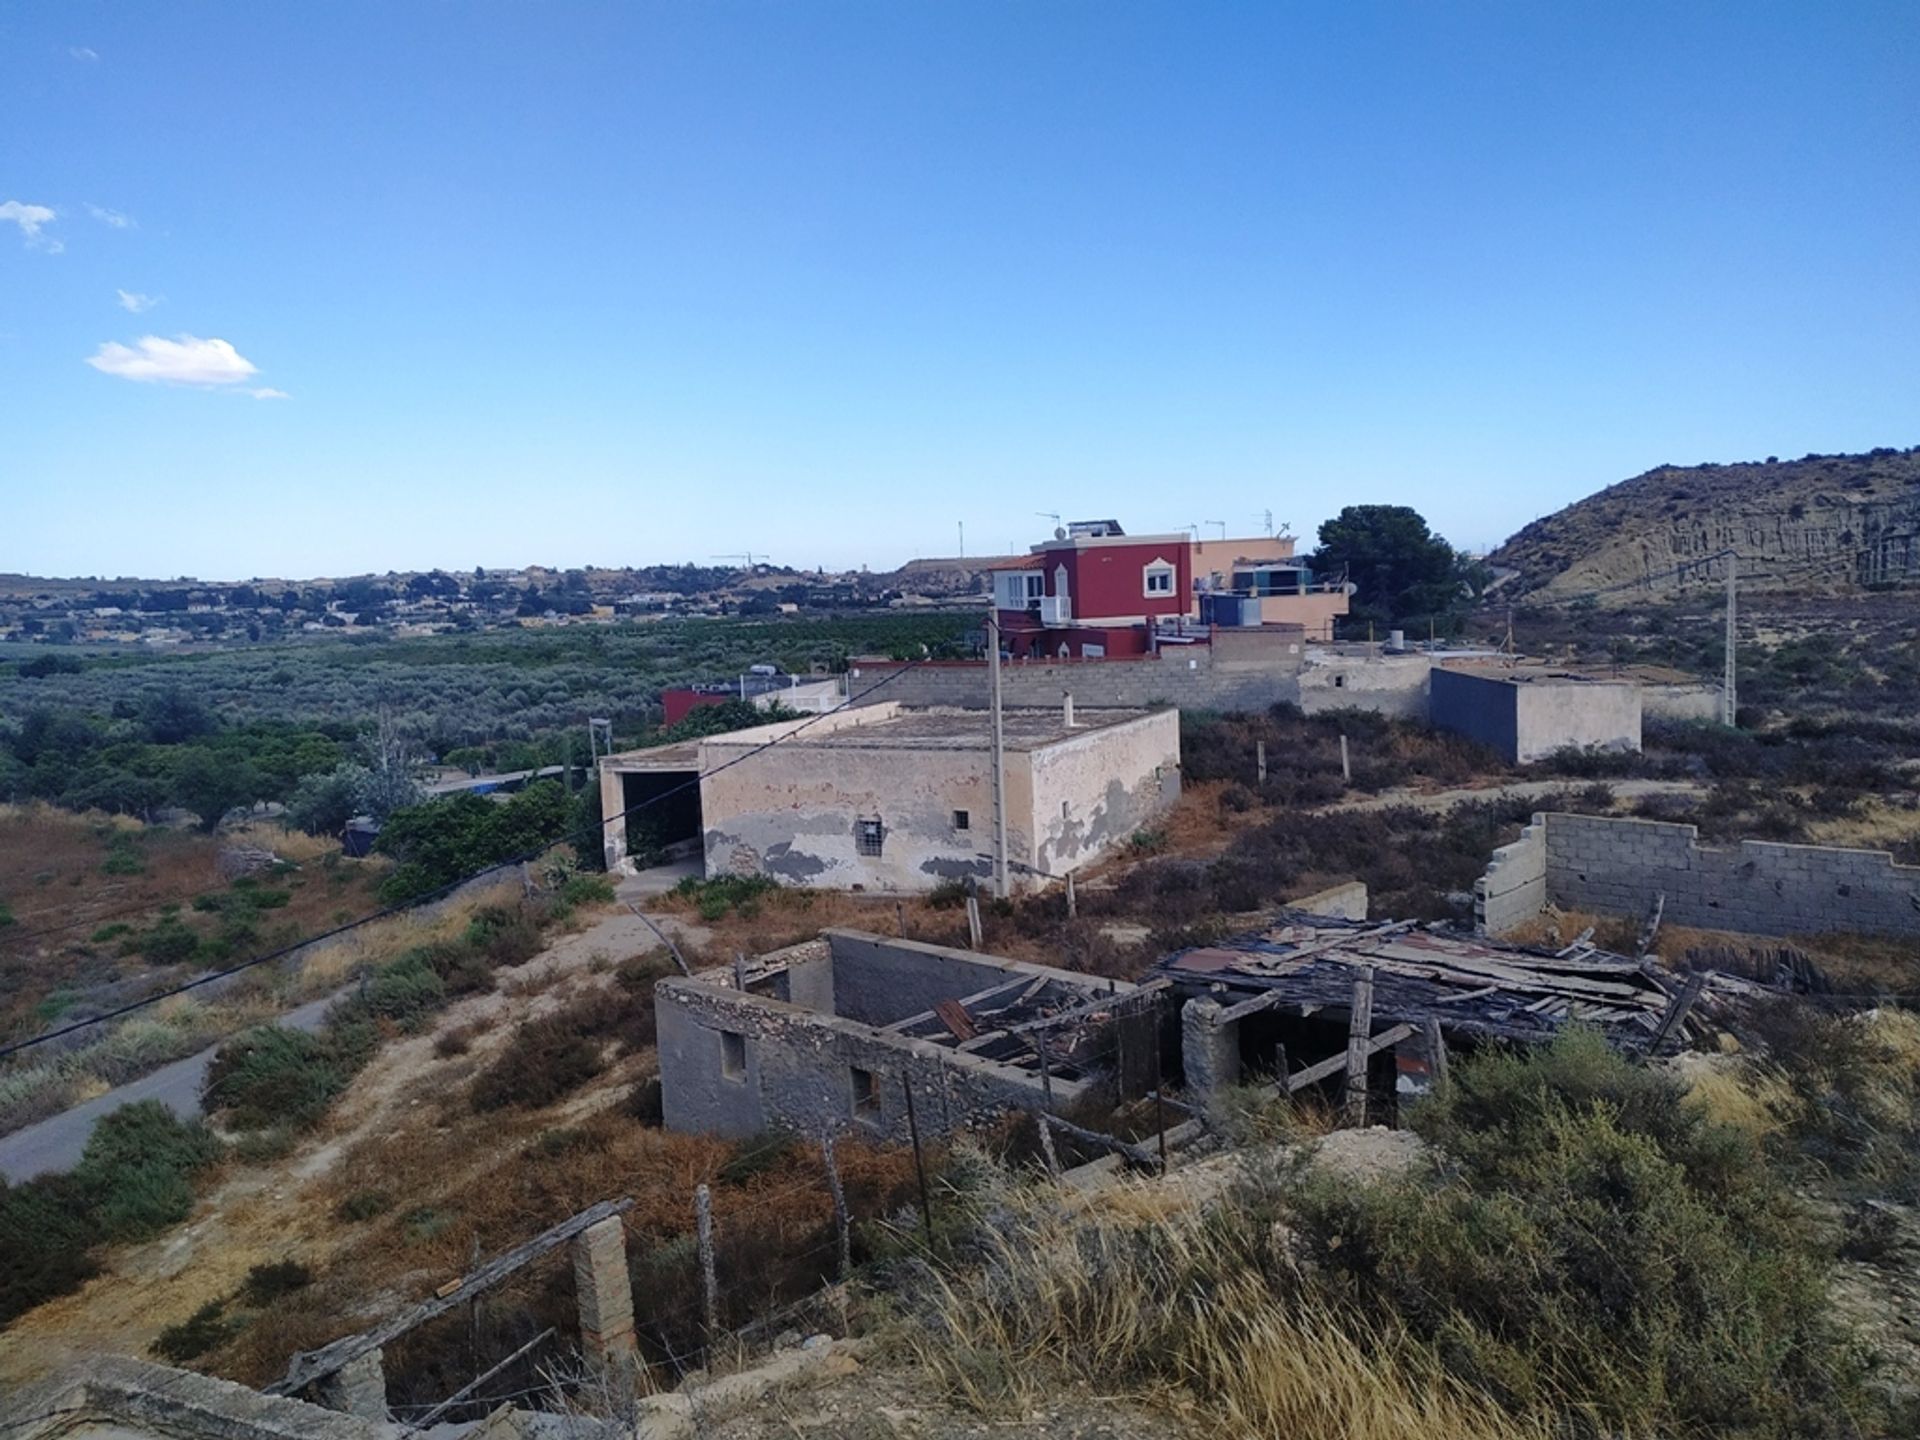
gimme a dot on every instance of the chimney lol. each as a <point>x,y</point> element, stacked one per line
<point>1066,710</point>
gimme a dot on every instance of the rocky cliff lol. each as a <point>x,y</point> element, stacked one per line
<point>1816,523</point>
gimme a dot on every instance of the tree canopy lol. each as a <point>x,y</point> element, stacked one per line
<point>1402,572</point>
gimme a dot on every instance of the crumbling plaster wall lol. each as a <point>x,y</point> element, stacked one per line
<point>1619,866</point>
<point>793,814</point>
<point>1091,793</point>
<point>1388,684</point>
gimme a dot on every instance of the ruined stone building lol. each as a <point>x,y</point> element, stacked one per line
<point>834,1034</point>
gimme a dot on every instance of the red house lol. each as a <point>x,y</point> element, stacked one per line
<point>1093,593</point>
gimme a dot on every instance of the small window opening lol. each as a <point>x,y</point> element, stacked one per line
<point>962,820</point>
<point>869,836</point>
<point>1339,682</point>
<point>1063,809</point>
<point>866,1093</point>
<point>733,1055</point>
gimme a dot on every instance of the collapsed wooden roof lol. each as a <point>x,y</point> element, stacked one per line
<point>1471,985</point>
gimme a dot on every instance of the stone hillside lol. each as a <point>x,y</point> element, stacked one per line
<point>1814,523</point>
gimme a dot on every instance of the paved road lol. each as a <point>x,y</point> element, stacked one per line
<point>56,1143</point>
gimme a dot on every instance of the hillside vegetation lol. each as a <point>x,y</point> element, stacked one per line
<point>1806,524</point>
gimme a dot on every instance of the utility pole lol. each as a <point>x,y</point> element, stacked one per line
<point>1728,693</point>
<point>999,758</point>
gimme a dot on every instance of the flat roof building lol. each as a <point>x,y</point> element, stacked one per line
<point>892,799</point>
<point>1527,712</point>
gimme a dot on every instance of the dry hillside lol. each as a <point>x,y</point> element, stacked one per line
<point>1813,523</point>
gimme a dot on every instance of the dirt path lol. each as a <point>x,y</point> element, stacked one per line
<point>1512,790</point>
<point>259,1213</point>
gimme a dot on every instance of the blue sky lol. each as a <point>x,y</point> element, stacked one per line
<point>625,283</point>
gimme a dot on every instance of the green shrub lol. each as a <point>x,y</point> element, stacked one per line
<point>363,1205</point>
<point>169,943</point>
<point>579,890</point>
<point>271,1076</point>
<point>137,1170</point>
<point>110,932</point>
<point>715,898</point>
<point>207,1328</point>
<point>46,1239</point>
<point>1593,1250</point>
<point>267,1283</point>
<point>546,1059</point>
<point>405,991</point>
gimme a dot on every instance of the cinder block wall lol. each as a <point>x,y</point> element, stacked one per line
<point>1514,889</point>
<point>1187,676</point>
<point>1618,867</point>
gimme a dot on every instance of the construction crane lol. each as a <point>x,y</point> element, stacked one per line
<point>748,556</point>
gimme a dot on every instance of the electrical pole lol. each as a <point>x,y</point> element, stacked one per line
<point>1729,695</point>
<point>999,759</point>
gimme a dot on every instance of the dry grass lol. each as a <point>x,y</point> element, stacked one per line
<point>1145,1300</point>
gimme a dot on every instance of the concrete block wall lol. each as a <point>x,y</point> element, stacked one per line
<point>1618,867</point>
<point>1514,889</point>
<point>1188,676</point>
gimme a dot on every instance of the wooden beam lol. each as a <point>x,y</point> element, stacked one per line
<point>954,1016</point>
<point>1359,1032</point>
<point>1677,1011</point>
<point>1250,1007</point>
<point>1077,1012</point>
<point>311,1365</point>
<point>1333,1064</point>
<point>1135,1154</point>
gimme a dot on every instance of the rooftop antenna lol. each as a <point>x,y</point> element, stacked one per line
<point>1267,518</point>
<point>963,539</point>
<point>1049,515</point>
<point>1221,523</point>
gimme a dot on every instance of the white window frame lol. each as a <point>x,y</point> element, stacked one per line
<point>1159,570</point>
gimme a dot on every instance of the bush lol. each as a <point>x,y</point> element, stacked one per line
<point>46,1242</point>
<point>1596,1248</point>
<point>206,1328</point>
<point>137,1171</point>
<point>271,1076</point>
<point>269,1282</point>
<point>715,898</point>
<point>363,1205</point>
<point>546,1059</point>
<point>643,1102</point>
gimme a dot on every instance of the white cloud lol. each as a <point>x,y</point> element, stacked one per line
<point>183,360</point>
<point>30,218</point>
<point>110,217</point>
<point>83,52</point>
<point>135,303</point>
<point>267,392</point>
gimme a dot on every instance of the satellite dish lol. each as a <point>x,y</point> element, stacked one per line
<point>1059,532</point>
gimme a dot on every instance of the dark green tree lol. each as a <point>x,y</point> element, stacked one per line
<point>210,785</point>
<point>1402,572</point>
